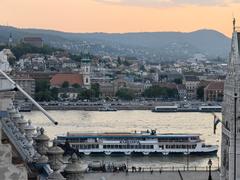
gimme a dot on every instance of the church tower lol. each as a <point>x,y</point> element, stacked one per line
<point>231,113</point>
<point>10,40</point>
<point>86,70</point>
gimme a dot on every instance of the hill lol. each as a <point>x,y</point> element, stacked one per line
<point>154,46</point>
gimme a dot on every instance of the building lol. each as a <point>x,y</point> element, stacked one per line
<point>72,78</point>
<point>231,88</point>
<point>107,89</point>
<point>33,41</point>
<point>191,83</point>
<point>214,91</point>
<point>182,92</point>
<point>27,83</point>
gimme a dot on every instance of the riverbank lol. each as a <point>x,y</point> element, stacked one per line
<point>95,108</point>
<point>122,107</point>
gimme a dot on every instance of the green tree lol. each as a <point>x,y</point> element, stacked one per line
<point>65,84</point>
<point>23,48</point>
<point>54,93</point>
<point>42,92</point>
<point>85,94</point>
<point>200,92</point>
<point>95,90</point>
<point>125,94</point>
<point>42,85</point>
<point>142,68</point>
<point>160,92</point>
<point>178,81</point>
<point>76,86</point>
<point>152,70</point>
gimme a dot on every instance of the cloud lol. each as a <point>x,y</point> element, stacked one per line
<point>170,3</point>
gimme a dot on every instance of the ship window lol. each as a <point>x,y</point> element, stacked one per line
<point>132,146</point>
<point>104,146</point>
<point>151,146</point>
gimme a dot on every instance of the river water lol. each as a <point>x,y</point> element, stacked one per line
<point>129,121</point>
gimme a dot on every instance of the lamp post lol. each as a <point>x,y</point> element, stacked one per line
<point>209,168</point>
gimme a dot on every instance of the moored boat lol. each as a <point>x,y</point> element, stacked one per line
<point>145,142</point>
<point>173,108</point>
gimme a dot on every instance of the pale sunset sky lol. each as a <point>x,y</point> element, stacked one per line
<point>121,15</point>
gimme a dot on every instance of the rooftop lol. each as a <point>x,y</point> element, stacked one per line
<point>215,85</point>
<point>59,79</point>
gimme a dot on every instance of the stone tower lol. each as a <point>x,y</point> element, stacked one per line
<point>231,88</point>
<point>86,70</point>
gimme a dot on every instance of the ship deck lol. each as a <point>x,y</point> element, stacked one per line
<point>123,134</point>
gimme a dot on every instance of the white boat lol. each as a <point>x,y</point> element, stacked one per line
<point>210,108</point>
<point>145,142</point>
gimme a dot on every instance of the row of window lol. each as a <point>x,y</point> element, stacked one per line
<point>128,146</point>
<point>180,146</point>
<point>96,146</point>
<point>85,146</point>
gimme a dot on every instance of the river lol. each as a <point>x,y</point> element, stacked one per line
<point>129,121</point>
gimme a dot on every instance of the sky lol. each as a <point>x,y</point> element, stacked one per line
<point>121,15</point>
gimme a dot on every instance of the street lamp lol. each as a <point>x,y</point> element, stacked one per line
<point>209,168</point>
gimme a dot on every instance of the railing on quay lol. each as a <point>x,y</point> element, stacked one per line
<point>135,169</point>
<point>172,169</point>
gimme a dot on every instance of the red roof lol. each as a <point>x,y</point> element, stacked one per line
<point>59,79</point>
<point>215,85</point>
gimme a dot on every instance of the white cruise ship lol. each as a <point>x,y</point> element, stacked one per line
<point>146,142</point>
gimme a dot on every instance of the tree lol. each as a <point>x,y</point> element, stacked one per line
<point>142,68</point>
<point>125,94</point>
<point>95,89</point>
<point>178,81</point>
<point>152,70</point>
<point>76,86</point>
<point>54,93</point>
<point>65,84</point>
<point>200,92</point>
<point>42,90</point>
<point>160,92</point>
<point>85,94</point>
<point>42,85</point>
